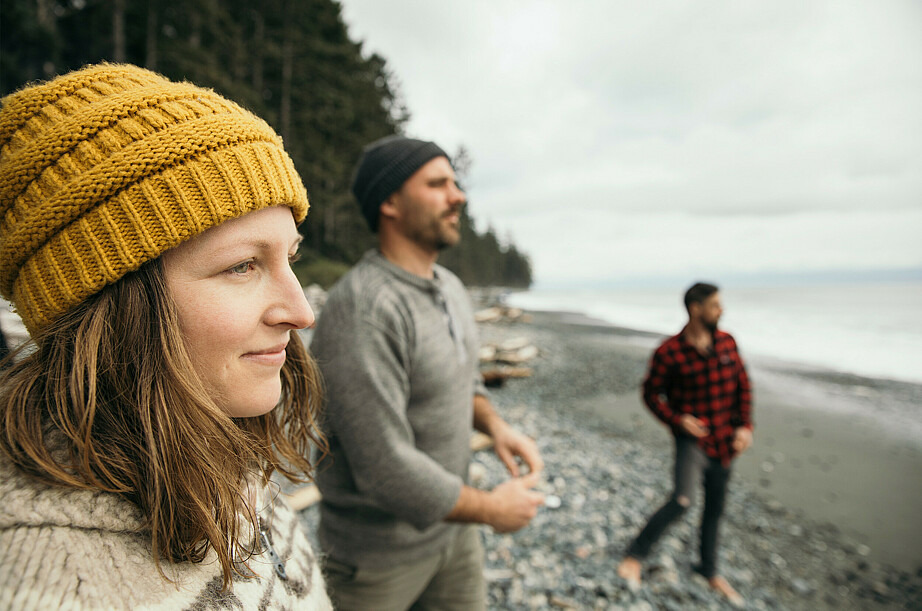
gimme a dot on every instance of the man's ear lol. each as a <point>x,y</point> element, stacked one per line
<point>389,207</point>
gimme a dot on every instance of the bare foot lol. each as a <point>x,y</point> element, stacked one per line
<point>721,586</point>
<point>629,571</point>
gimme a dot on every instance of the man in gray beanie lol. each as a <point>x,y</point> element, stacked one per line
<point>397,346</point>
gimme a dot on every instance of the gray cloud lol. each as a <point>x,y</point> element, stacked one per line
<point>696,114</point>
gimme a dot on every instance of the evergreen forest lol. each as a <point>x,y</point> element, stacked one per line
<point>289,61</point>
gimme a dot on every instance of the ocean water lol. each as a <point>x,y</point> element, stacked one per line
<point>868,329</point>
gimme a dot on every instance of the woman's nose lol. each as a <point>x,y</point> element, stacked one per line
<point>291,306</point>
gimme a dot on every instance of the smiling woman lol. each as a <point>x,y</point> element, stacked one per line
<point>237,300</point>
<point>146,234</point>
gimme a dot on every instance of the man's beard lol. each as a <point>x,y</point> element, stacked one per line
<point>441,237</point>
<point>443,242</point>
<point>710,326</point>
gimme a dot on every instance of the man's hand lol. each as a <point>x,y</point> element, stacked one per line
<point>510,444</point>
<point>690,425</point>
<point>742,439</point>
<point>513,504</point>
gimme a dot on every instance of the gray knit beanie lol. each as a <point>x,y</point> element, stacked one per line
<point>385,165</point>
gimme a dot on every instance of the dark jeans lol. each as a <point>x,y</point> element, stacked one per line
<point>691,465</point>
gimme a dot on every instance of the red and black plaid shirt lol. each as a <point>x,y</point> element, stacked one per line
<point>714,388</point>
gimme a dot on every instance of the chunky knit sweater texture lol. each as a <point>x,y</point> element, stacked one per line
<point>63,548</point>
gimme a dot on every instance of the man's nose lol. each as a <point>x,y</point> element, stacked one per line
<point>457,196</point>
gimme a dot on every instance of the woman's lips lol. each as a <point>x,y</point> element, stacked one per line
<point>274,356</point>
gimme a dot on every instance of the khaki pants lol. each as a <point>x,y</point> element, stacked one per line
<point>451,581</point>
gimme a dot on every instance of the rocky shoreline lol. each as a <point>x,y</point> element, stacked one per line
<point>609,482</point>
<point>603,482</point>
<point>604,478</point>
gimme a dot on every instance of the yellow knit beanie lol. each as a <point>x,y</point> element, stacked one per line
<point>106,167</point>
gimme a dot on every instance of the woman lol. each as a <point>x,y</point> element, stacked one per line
<point>146,234</point>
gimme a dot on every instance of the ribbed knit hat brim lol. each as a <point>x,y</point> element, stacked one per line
<point>106,168</point>
<point>385,165</point>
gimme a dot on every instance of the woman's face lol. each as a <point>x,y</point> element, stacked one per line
<point>238,302</point>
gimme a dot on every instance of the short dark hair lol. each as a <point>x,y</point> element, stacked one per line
<point>698,292</point>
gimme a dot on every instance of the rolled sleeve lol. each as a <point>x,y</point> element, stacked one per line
<point>744,397</point>
<point>479,387</point>
<point>656,388</point>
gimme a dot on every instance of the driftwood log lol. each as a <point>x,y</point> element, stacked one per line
<point>501,314</point>
<point>494,378</point>
<point>515,351</point>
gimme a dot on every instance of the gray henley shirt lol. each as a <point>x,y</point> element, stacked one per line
<point>398,355</point>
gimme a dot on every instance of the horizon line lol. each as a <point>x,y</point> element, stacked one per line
<point>762,278</point>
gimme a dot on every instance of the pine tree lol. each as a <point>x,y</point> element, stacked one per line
<point>289,61</point>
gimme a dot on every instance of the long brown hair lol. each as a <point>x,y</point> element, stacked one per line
<point>108,399</point>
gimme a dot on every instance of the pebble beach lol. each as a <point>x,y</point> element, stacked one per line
<point>784,541</point>
<point>822,513</point>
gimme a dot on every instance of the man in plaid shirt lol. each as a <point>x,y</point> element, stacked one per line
<point>697,385</point>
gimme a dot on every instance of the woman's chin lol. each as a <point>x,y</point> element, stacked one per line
<point>253,404</point>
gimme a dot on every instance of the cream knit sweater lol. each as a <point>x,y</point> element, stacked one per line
<point>62,548</point>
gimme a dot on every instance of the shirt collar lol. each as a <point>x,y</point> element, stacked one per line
<point>429,285</point>
<point>715,337</point>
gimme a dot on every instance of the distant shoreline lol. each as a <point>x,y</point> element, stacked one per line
<point>808,371</point>
<point>844,449</point>
<point>902,400</point>
<point>870,331</point>
<point>885,275</point>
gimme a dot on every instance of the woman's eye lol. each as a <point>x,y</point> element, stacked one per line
<point>241,268</point>
<point>292,259</point>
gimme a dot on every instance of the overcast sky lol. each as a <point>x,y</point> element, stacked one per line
<point>618,140</point>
